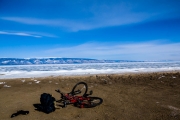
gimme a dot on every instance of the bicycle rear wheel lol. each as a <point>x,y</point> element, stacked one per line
<point>91,102</point>
<point>81,87</point>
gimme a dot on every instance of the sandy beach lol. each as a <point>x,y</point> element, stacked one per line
<point>142,96</point>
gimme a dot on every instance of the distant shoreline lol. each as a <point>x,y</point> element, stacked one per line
<point>39,61</point>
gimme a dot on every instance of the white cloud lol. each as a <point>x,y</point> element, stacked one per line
<point>29,34</point>
<point>137,51</point>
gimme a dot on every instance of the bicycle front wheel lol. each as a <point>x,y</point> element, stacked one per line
<point>81,87</point>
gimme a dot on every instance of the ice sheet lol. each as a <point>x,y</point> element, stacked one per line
<point>27,71</point>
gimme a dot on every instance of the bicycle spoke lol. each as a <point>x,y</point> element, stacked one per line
<point>83,87</point>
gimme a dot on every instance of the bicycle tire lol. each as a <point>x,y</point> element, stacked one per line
<point>91,102</point>
<point>85,87</point>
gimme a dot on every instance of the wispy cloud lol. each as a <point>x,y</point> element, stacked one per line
<point>102,16</point>
<point>76,25</point>
<point>138,51</point>
<point>19,34</point>
<point>28,34</point>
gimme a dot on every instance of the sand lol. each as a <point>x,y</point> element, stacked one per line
<point>143,96</point>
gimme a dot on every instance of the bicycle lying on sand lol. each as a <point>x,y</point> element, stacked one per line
<point>48,102</point>
<point>82,100</point>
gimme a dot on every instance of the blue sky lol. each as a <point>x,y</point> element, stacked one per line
<point>100,29</point>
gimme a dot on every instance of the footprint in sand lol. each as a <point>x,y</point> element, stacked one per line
<point>2,83</point>
<point>173,77</point>
<point>29,82</point>
<point>7,86</point>
<point>37,81</point>
<point>23,80</point>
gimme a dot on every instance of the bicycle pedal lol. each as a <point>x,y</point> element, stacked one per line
<point>91,92</point>
<point>64,106</point>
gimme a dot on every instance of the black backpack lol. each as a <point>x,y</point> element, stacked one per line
<point>47,103</point>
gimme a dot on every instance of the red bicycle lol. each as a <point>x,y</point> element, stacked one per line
<point>81,101</point>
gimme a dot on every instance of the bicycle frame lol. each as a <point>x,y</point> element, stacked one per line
<point>83,101</point>
<point>71,99</point>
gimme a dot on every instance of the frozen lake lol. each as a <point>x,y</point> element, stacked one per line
<point>27,71</point>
